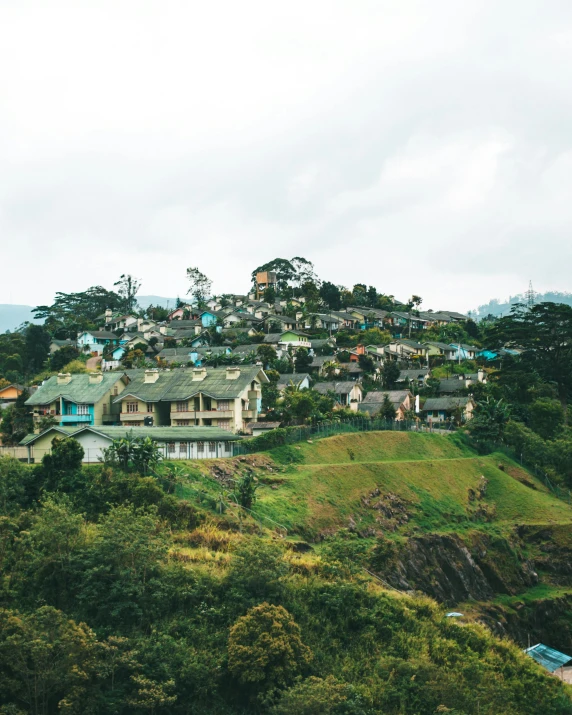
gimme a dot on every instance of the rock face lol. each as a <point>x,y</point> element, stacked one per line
<point>452,569</point>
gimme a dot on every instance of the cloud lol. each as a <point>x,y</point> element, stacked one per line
<point>422,148</point>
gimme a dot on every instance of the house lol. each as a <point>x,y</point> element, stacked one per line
<point>94,341</point>
<point>403,349</point>
<point>464,352</point>
<point>406,320</point>
<point>173,442</point>
<point>437,349</point>
<point>346,393</point>
<point>491,355</point>
<point>323,321</point>
<point>120,322</point>
<point>321,344</point>
<point>10,393</point>
<point>295,339</point>
<point>283,322</point>
<point>446,409</point>
<point>400,399</point>
<point>368,317</point>
<point>417,376</point>
<point>175,355</point>
<point>258,428</point>
<point>225,397</point>
<point>353,370</point>
<point>452,385</point>
<point>318,361</point>
<point>55,345</point>
<point>211,318</point>
<point>555,662</point>
<point>264,280</point>
<point>454,316</point>
<point>300,381</point>
<point>75,400</point>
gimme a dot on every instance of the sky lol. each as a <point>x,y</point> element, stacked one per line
<point>421,147</point>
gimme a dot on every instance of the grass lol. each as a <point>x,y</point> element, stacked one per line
<point>322,486</point>
<point>431,473</point>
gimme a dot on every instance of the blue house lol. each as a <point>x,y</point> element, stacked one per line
<point>496,354</point>
<point>209,318</point>
<point>464,352</point>
<point>93,341</point>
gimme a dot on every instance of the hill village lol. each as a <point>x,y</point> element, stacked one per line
<point>202,376</point>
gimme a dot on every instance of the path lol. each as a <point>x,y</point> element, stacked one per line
<point>93,362</point>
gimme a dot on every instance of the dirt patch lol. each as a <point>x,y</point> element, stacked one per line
<point>519,474</point>
<point>392,510</point>
<point>227,471</point>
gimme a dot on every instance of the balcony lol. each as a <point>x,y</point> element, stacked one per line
<point>74,418</point>
<point>204,414</point>
<point>134,416</point>
<point>249,414</point>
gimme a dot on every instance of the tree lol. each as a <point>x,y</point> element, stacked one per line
<point>414,302</point>
<point>270,295</point>
<point>71,313</point>
<point>63,356</point>
<point>489,421</point>
<point>546,417</point>
<point>267,354</point>
<point>62,467</point>
<point>37,347</point>
<point>544,335</point>
<point>331,295</point>
<point>387,410</point>
<point>199,285</point>
<point>17,421</point>
<point>246,490</point>
<point>317,696</point>
<point>132,453</point>
<point>303,360</point>
<point>390,374</point>
<point>265,648</point>
<point>127,288</point>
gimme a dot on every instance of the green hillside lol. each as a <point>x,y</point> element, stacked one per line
<point>429,481</point>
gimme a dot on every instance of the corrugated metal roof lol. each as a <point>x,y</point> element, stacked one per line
<point>78,390</point>
<point>548,657</point>
<point>161,434</point>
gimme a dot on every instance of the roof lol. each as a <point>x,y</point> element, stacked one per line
<point>445,403</point>
<point>321,342</point>
<point>352,367</point>
<point>548,657</point>
<point>453,314</point>
<point>263,425</point>
<point>180,324</point>
<point>441,346</point>
<point>378,396</point>
<point>18,387</point>
<point>291,378</point>
<point>245,349</point>
<point>101,334</point>
<point>417,374</point>
<point>451,384</point>
<point>61,343</point>
<point>272,338</point>
<point>173,385</point>
<point>339,388</point>
<point>162,434</point>
<point>78,390</point>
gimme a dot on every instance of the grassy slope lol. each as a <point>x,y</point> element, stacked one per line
<point>431,472</point>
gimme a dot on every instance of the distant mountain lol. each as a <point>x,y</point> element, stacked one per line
<point>497,308</point>
<point>11,316</point>
<point>146,300</point>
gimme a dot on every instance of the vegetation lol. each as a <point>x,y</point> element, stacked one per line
<point>120,596</point>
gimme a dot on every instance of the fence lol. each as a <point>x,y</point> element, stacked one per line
<point>291,435</point>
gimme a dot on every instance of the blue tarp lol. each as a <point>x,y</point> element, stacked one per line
<point>547,657</point>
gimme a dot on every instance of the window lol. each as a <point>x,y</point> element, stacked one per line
<point>223,405</point>
<point>227,447</point>
<point>115,390</point>
<point>182,406</point>
<point>149,407</point>
<point>83,409</point>
<point>225,425</point>
<point>183,447</point>
<point>131,407</point>
<point>212,446</point>
<point>183,423</point>
<point>171,447</point>
<point>200,447</point>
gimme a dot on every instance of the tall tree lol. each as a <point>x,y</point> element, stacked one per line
<point>37,347</point>
<point>199,285</point>
<point>331,295</point>
<point>543,334</point>
<point>127,288</point>
<point>71,313</point>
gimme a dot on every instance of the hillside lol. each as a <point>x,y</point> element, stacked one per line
<point>429,514</point>
<point>130,594</point>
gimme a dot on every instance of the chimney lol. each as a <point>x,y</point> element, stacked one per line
<point>199,373</point>
<point>95,378</point>
<point>108,314</point>
<point>232,373</point>
<point>64,378</point>
<point>151,375</point>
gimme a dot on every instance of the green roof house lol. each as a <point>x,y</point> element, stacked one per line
<point>76,400</point>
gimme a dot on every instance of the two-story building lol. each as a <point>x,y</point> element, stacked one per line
<point>225,397</point>
<point>75,400</point>
<point>94,341</point>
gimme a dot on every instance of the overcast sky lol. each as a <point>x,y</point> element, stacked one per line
<point>422,147</point>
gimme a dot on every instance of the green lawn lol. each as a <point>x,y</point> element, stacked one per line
<point>430,472</point>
